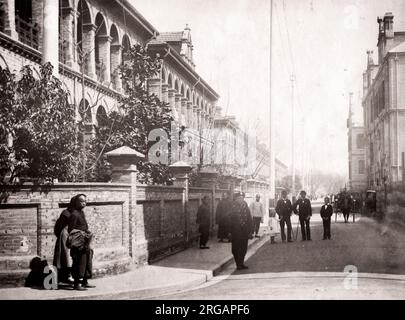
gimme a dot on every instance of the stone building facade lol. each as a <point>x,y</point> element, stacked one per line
<point>133,224</point>
<point>89,48</point>
<point>356,154</point>
<point>384,106</point>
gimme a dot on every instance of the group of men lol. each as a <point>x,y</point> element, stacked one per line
<point>303,208</point>
<point>237,223</point>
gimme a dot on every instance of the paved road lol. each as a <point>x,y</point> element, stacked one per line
<point>315,269</point>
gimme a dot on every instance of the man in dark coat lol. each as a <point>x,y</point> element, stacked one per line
<point>346,203</point>
<point>82,257</point>
<point>241,227</point>
<point>222,218</point>
<point>304,213</point>
<point>61,258</point>
<point>204,219</point>
<point>284,210</point>
<point>326,214</point>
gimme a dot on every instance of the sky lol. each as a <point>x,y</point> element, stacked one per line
<point>322,42</point>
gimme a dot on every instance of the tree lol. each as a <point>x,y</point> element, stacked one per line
<point>140,113</point>
<point>286,183</point>
<point>38,127</point>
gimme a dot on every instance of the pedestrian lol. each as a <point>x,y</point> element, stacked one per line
<point>203,220</point>
<point>284,210</point>
<point>79,241</point>
<point>241,226</point>
<point>222,218</point>
<point>61,258</point>
<point>274,228</point>
<point>326,214</point>
<point>346,204</point>
<point>304,213</point>
<point>257,211</point>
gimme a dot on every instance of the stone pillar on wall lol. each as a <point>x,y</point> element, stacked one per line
<point>116,58</point>
<point>165,93</point>
<point>194,115</point>
<point>184,111</point>
<point>123,161</point>
<point>105,58</point>
<point>189,112</point>
<point>89,33</point>
<point>67,34</point>
<point>154,86</point>
<point>172,103</point>
<point>178,106</point>
<point>180,172</point>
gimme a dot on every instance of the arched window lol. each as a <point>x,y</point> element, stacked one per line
<point>82,19</point>
<point>126,46</point>
<point>101,116</point>
<point>99,41</point>
<point>170,81</point>
<point>115,57</point>
<point>85,112</point>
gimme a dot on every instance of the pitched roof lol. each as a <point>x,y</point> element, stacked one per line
<point>170,36</point>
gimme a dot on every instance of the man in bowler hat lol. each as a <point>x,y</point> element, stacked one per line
<point>304,213</point>
<point>284,210</point>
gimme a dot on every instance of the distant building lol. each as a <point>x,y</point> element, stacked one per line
<point>384,106</point>
<point>357,154</point>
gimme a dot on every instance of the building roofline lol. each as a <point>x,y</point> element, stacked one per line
<point>179,60</point>
<point>138,16</point>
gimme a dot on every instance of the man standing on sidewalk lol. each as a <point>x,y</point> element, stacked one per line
<point>257,211</point>
<point>222,217</point>
<point>304,213</point>
<point>241,227</point>
<point>203,219</point>
<point>284,210</point>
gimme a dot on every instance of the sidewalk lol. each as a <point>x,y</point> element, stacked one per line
<point>186,269</point>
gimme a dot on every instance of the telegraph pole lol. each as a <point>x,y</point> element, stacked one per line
<point>292,78</point>
<point>272,164</point>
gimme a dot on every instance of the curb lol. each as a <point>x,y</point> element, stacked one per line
<point>141,293</point>
<point>252,248</point>
<point>205,276</point>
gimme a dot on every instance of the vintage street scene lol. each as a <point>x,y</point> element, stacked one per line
<point>202,150</point>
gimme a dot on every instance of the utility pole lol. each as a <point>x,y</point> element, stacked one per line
<point>272,174</point>
<point>292,78</point>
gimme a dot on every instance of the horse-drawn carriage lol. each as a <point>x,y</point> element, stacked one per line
<point>347,201</point>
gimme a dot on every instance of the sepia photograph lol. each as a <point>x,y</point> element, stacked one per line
<point>220,152</point>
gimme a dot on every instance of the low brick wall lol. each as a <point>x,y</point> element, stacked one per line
<point>28,217</point>
<point>165,223</point>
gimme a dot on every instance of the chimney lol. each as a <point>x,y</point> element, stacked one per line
<point>385,35</point>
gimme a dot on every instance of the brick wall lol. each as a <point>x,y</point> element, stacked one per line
<point>28,216</point>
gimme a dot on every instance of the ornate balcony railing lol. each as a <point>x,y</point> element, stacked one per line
<point>28,32</point>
